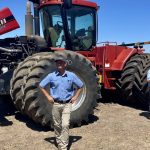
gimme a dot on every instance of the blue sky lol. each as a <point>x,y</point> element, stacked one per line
<point>119,20</point>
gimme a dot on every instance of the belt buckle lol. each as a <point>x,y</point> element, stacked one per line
<point>61,102</point>
<point>64,102</point>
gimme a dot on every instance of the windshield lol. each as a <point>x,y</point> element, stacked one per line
<point>52,26</point>
<point>80,25</point>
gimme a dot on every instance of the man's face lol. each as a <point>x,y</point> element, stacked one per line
<point>61,65</point>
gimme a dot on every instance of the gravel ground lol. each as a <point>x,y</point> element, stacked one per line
<point>113,127</point>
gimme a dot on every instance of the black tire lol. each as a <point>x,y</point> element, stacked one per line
<point>133,80</point>
<point>16,84</point>
<point>37,107</point>
<point>144,88</point>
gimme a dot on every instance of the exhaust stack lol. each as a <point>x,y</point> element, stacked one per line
<point>36,19</point>
<point>28,20</point>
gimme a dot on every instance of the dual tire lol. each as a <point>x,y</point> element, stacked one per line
<point>30,101</point>
<point>134,87</point>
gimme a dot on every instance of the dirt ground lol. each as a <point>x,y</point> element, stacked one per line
<point>113,127</point>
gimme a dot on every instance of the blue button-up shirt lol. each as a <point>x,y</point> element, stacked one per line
<point>61,86</point>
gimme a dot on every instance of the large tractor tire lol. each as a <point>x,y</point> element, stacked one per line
<point>133,80</point>
<point>16,85</point>
<point>35,105</point>
<point>17,81</point>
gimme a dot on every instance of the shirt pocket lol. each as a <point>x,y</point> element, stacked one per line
<point>54,84</point>
<point>68,84</point>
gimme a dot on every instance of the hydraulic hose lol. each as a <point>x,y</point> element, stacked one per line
<point>10,50</point>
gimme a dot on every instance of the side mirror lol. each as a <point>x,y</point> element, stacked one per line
<point>67,4</point>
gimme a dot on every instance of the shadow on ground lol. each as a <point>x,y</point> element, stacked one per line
<point>145,114</point>
<point>109,96</point>
<point>72,139</point>
<point>37,127</point>
<point>6,109</point>
<point>31,124</point>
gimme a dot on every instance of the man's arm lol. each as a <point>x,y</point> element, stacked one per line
<point>74,98</point>
<point>41,86</point>
<point>47,95</point>
<point>79,84</point>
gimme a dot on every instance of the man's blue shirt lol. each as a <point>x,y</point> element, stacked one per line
<point>61,86</point>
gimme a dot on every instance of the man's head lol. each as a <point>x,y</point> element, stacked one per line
<point>61,63</point>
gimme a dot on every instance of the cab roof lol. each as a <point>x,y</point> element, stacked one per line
<point>85,3</point>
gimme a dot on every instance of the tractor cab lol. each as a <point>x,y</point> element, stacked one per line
<point>72,28</point>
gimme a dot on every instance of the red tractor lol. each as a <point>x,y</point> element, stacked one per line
<point>70,30</point>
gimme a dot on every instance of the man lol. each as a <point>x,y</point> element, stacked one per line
<point>62,95</point>
<point>148,80</point>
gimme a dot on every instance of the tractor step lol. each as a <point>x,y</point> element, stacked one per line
<point>113,79</point>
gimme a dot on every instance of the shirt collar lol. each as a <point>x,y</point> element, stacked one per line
<point>58,74</point>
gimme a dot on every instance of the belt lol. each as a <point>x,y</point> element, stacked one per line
<point>61,102</point>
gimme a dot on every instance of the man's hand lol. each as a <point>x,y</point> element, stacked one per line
<point>46,94</point>
<point>73,99</point>
<point>50,99</point>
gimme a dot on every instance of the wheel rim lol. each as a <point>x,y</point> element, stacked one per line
<point>80,99</point>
